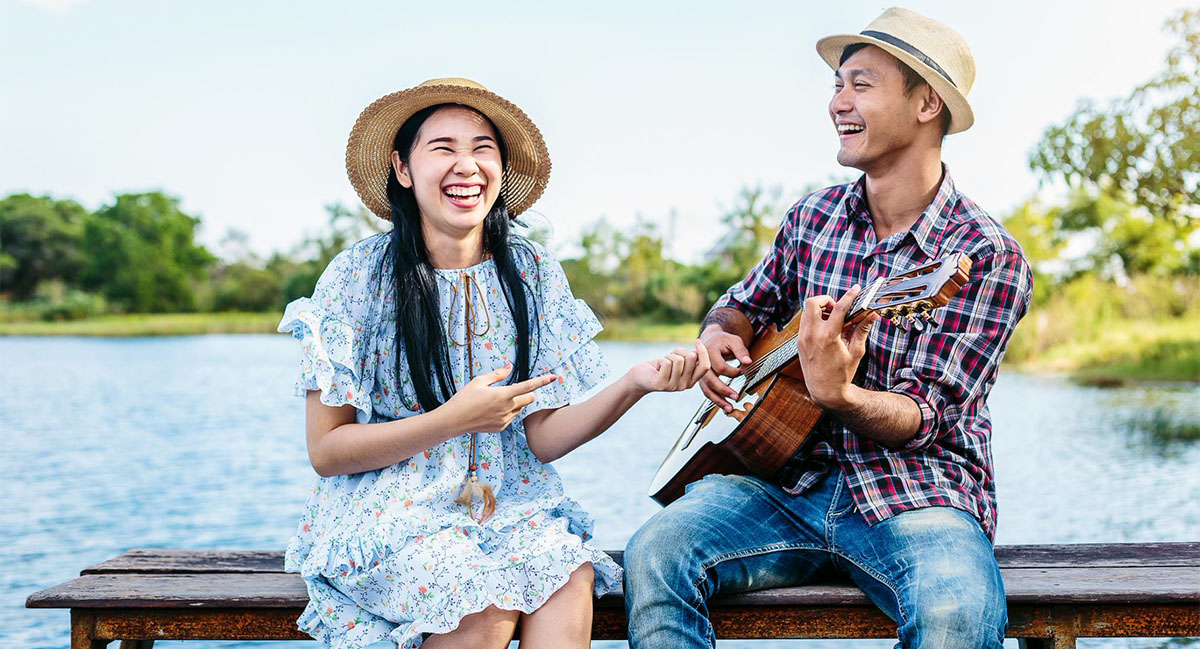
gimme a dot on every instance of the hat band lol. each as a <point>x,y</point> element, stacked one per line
<point>892,40</point>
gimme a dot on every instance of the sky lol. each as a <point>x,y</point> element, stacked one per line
<point>242,109</point>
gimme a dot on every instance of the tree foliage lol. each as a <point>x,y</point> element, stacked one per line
<point>39,241</point>
<point>1135,164</point>
<point>627,274</point>
<point>141,254</point>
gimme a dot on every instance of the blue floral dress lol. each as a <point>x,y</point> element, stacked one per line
<point>387,555</point>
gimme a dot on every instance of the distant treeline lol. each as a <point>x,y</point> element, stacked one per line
<point>60,261</point>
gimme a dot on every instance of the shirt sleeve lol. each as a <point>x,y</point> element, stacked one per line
<point>769,295</point>
<point>955,363</point>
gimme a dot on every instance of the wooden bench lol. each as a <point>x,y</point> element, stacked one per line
<point>1056,593</point>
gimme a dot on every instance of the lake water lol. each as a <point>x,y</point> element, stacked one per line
<point>196,442</point>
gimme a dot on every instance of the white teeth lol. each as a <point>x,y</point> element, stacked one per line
<point>849,128</point>
<point>464,192</point>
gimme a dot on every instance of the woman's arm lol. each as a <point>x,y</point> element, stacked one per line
<point>337,445</point>
<point>555,432</point>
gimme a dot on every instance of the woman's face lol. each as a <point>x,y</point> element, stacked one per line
<point>454,170</point>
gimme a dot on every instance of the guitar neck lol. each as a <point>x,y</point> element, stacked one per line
<point>774,360</point>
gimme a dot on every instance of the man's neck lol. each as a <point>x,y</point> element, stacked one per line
<point>900,192</point>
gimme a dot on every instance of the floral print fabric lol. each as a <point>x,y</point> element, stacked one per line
<point>387,555</point>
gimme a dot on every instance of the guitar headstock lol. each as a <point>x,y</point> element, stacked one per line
<point>915,292</point>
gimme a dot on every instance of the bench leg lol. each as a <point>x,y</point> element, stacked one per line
<point>83,626</point>
<point>137,644</point>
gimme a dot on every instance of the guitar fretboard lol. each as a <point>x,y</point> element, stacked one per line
<point>775,359</point>
<point>771,362</point>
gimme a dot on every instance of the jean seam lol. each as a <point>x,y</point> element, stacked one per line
<point>878,576</point>
<point>776,547</point>
<point>749,552</point>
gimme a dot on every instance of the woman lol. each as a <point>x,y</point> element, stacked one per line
<point>443,364</point>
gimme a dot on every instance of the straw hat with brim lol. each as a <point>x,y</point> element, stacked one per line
<point>936,52</point>
<point>369,151</point>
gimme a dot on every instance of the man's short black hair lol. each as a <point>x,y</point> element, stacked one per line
<point>912,80</point>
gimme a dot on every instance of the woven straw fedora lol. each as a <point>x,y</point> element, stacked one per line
<point>936,52</point>
<point>369,151</point>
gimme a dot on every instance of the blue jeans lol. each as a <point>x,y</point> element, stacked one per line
<point>931,570</point>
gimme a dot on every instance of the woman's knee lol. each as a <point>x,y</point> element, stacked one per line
<point>491,627</point>
<point>580,584</point>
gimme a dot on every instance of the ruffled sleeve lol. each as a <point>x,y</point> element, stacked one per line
<point>566,327</point>
<point>337,327</point>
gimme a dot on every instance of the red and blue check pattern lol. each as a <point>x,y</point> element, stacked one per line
<point>827,244</point>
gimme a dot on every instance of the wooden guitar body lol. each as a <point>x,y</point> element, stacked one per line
<point>774,414</point>
<point>768,424</point>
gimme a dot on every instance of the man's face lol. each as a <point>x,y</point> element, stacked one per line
<point>874,118</point>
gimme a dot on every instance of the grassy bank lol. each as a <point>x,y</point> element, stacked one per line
<point>649,332</point>
<point>1104,333</point>
<point>1124,351</point>
<point>148,324</point>
<point>188,324</point>
<point>1115,351</point>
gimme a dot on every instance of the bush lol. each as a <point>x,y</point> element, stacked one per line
<point>54,301</point>
<point>1084,308</point>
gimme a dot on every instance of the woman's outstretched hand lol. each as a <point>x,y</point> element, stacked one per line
<point>678,370</point>
<point>482,407</point>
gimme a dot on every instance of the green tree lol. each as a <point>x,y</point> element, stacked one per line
<point>301,269</point>
<point>1135,164</point>
<point>750,226</point>
<point>142,254</point>
<point>245,287</point>
<point>1038,231</point>
<point>39,240</point>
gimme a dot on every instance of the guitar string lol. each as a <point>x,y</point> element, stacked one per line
<point>752,370</point>
<point>775,360</point>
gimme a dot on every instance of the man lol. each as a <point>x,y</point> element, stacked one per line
<point>898,491</point>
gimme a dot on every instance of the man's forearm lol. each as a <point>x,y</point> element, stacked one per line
<point>885,417</point>
<point>731,321</point>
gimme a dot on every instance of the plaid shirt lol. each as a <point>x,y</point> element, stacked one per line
<point>825,245</point>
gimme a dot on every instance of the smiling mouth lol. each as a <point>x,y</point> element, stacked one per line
<point>459,191</point>
<point>850,129</point>
<point>463,195</point>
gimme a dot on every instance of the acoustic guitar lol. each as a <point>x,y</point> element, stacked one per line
<point>773,414</point>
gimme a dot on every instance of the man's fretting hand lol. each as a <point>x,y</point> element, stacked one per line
<point>829,351</point>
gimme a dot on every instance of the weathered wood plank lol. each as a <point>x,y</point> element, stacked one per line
<point>1022,585</point>
<point>162,560</point>
<point>155,560</point>
<point>237,590</point>
<point>730,622</point>
<point>1099,555</point>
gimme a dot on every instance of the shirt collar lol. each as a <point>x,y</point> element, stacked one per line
<point>926,232</point>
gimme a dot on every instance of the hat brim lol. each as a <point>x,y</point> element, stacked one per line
<point>369,150</point>
<point>961,116</point>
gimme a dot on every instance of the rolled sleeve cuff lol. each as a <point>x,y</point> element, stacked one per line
<point>929,420</point>
<point>727,301</point>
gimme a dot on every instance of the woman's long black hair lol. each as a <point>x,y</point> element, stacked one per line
<point>419,327</point>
